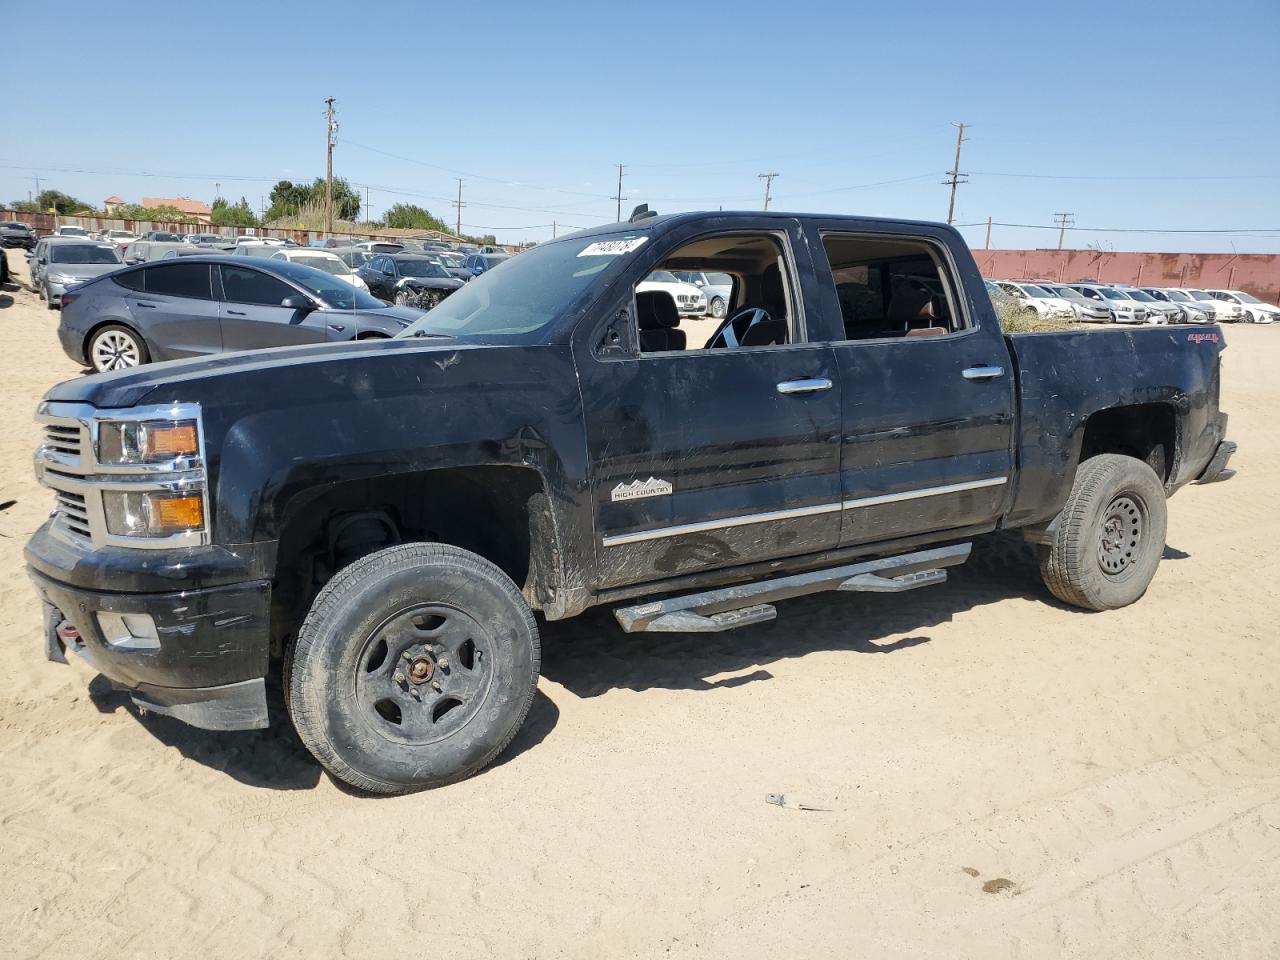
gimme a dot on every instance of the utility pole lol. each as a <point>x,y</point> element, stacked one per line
<point>768,184</point>
<point>618,196</point>
<point>331,131</point>
<point>955,174</point>
<point>1063,220</point>
<point>987,245</point>
<point>459,204</point>
<point>368,209</point>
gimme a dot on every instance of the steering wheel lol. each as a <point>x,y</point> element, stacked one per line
<point>733,329</point>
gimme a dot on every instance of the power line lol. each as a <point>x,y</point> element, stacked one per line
<point>955,174</point>
<point>1063,176</point>
<point>1054,226</point>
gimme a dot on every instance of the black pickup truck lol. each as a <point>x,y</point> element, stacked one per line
<point>377,522</point>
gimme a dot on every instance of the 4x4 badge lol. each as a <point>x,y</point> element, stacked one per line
<point>639,489</point>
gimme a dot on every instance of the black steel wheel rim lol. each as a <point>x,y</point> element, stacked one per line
<point>424,673</point>
<point>1122,536</point>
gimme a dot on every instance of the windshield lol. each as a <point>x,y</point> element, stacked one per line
<point>1244,297</point>
<point>335,293</point>
<point>1067,293</point>
<point>1113,294</point>
<point>328,264</point>
<point>1033,291</point>
<point>661,276</point>
<point>1177,295</point>
<point>524,294</point>
<point>422,268</point>
<point>1200,295</point>
<point>119,233</point>
<point>1141,296</point>
<point>72,232</point>
<point>82,253</point>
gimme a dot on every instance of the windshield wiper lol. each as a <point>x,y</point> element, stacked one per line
<point>424,333</point>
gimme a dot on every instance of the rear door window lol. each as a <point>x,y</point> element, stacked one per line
<point>189,280</point>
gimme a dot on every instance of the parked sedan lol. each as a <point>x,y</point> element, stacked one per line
<point>321,260</point>
<point>1086,310</point>
<point>1220,310</point>
<point>1255,310</point>
<point>199,305</point>
<point>408,279</point>
<point>478,263</point>
<point>163,236</point>
<point>716,287</point>
<point>1046,304</point>
<point>15,234</point>
<point>1157,310</point>
<point>1190,309</point>
<point>63,265</point>
<point>1123,308</point>
<point>121,238</point>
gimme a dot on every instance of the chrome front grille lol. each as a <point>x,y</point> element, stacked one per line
<point>64,438</point>
<point>71,515</point>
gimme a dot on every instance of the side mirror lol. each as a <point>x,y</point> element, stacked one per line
<point>298,302</point>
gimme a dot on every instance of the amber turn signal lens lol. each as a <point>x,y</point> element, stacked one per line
<point>177,513</point>
<point>177,440</point>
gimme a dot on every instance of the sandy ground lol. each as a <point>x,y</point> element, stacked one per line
<point>998,776</point>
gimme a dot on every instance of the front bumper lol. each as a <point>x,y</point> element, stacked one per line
<point>209,658</point>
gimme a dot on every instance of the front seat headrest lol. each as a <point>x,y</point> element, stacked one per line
<point>773,295</point>
<point>656,310</point>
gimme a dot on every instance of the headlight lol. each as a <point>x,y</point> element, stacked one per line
<point>147,441</point>
<point>61,278</point>
<point>152,513</point>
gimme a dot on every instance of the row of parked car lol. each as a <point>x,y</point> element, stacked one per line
<point>1089,301</point>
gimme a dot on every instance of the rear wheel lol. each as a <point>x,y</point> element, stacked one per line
<point>1110,536</point>
<point>415,668</point>
<point>718,307</point>
<point>116,347</point>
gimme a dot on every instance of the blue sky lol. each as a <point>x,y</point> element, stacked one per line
<point>1127,115</point>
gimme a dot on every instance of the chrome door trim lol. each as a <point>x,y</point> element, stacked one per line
<point>618,539</point>
<point>924,492</point>
<point>658,533</point>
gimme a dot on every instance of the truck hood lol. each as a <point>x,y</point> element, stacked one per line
<point>175,379</point>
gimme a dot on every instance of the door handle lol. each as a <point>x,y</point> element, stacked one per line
<point>807,385</point>
<point>149,306</point>
<point>236,313</point>
<point>982,373</point>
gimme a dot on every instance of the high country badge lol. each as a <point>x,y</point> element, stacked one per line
<point>639,489</point>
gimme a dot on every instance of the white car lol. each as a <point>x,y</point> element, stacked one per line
<point>716,287</point>
<point>322,260</point>
<point>1255,310</point>
<point>274,241</point>
<point>1158,311</point>
<point>1124,309</point>
<point>690,301</point>
<point>70,231</point>
<point>1040,300</point>
<point>121,238</point>
<point>1191,310</point>
<point>1223,312</point>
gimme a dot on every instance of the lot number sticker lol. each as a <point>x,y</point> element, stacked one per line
<point>612,248</point>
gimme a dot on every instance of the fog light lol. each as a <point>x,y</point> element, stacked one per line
<point>129,631</point>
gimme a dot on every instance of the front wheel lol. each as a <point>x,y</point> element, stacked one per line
<point>718,308</point>
<point>1110,536</point>
<point>415,667</point>
<point>402,298</point>
<point>116,347</point>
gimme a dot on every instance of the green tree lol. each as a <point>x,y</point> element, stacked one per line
<point>289,198</point>
<point>59,201</point>
<point>232,215</point>
<point>136,211</point>
<point>412,217</point>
